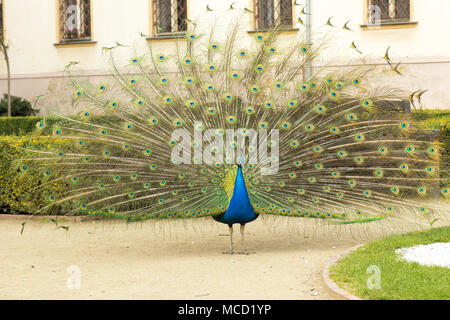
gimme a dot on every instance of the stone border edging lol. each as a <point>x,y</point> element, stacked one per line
<point>331,285</point>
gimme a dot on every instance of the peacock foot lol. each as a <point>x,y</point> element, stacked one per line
<point>247,252</point>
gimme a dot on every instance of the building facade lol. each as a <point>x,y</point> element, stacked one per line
<point>43,36</point>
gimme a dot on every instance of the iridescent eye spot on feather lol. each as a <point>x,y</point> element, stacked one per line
<point>356,82</point>
<point>304,87</point>
<point>250,110</point>
<point>113,104</point>
<point>235,75</point>
<point>263,124</point>
<point>191,36</point>
<point>259,68</point>
<point>188,80</point>
<point>228,97</point>
<point>211,111</point>
<point>359,137</point>
<point>318,166</point>
<point>404,125</point>
<point>430,170</point>
<point>383,151</point>
<point>212,67</point>
<point>292,103</point>
<point>134,60</point>
<point>410,149</point>
<point>147,186</point>
<point>366,103</point>
<point>259,37</point>
<point>404,168</point>
<point>359,160</point>
<point>163,80</point>
<point>153,121</point>
<point>40,124</point>
<point>133,176</point>
<point>242,53</point>
<point>312,180</point>
<point>282,184</point>
<point>268,104</point>
<point>445,192</point>
<point>336,174</point>
<point>78,93</point>
<point>278,85</point>
<point>167,100</point>
<point>131,195</point>
<point>335,130</point>
<point>209,87</point>
<point>294,144</point>
<point>339,85</point>
<point>177,123</point>
<point>163,183</point>
<point>292,175</point>
<point>317,149</point>
<point>51,198</point>
<point>298,163</point>
<point>422,191</point>
<point>102,87</point>
<point>187,61</point>
<point>254,88</point>
<point>191,103</point>
<point>367,193</point>
<point>395,190</point>
<point>132,81</point>
<point>352,117</point>
<point>214,46</point>
<point>153,167</point>
<point>285,125</point>
<point>342,154</point>
<point>309,127</point>
<point>334,95</point>
<point>378,173</point>
<point>320,109</point>
<point>352,183</point>
<point>161,58</point>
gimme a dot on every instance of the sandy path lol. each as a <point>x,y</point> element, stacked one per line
<point>162,261</point>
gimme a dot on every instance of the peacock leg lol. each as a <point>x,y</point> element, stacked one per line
<point>230,228</point>
<point>244,248</point>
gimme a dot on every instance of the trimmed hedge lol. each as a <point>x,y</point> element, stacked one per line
<point>19,192</point>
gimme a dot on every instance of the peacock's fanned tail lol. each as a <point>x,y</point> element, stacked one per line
<point>161,139</point>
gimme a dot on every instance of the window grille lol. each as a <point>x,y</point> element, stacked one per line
<point>169,16</point>
<point>75,20</point>
<point>272,12</point>
<point>388,11</point>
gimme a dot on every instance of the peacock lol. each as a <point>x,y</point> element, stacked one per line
<point>214,130</point>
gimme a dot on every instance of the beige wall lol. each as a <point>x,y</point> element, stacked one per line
<point>31,32</point>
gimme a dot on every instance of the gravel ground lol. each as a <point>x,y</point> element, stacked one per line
<point>435,254</point>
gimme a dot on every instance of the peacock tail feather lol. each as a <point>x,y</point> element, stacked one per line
<point>163,137</point>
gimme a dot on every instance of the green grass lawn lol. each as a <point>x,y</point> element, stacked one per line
<point>399,280</point>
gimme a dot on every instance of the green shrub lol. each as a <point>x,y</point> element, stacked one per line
<point>19,107</point>
<point>24,192</point>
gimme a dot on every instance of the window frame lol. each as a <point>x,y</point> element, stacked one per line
<point>388,23</point>
<point>80,40</point>
<point>154,34</point>
<point>255,20</point>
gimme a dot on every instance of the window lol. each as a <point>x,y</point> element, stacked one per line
<point>388,11</point>
<point>75,20</point>
<point>169,16</point>
<point>272,12</point>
